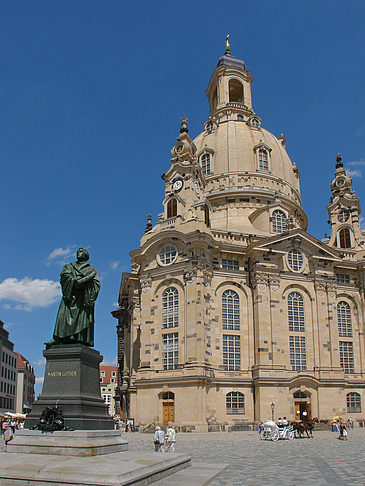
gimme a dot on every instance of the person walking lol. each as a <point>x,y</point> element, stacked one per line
<point>170,438</point>
<point>159,439</point>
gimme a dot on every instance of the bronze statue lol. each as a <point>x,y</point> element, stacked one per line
<point>80,287</point>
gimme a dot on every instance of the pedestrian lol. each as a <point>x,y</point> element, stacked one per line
<point>344,432</point>
<point>305,416</point>
<point>170,438</point>
<point>13,425</point>
<point>159,439</point>
<point>8,435</point>
<point>350,423</point>
<point>341,431</point>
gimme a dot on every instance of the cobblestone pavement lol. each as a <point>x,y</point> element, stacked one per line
<point>321,461</point>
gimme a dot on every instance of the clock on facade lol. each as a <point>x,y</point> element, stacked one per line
<point>177,185</point>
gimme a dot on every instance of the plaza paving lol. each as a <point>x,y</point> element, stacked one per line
<point>320,461</point>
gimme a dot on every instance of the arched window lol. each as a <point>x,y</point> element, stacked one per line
<point>168,396</point>
<point>295,312</point>
<point>230,310</point>
<point>205,163</point>
<point>263,160</point>
<point>344,319</point>
<point>345,238</point>
<point>206,216</point>
<point>172,208</point>
<point>235,91</point>
<point>295,260</point>
<point>235,402</point>
<point>353,401</point>
<point>278,221</point>
<point>170,306</point>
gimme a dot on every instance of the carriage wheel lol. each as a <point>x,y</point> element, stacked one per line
<point>262,435</point>
<point>291,435</point>
<point>275,436</point>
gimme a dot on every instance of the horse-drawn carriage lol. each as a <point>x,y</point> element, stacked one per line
<point>270,431</point>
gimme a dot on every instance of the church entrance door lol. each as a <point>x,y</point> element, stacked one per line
<point>168,412</point>
<point>300,407</point>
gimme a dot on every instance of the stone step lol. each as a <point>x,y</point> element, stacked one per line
<point>199,474</point>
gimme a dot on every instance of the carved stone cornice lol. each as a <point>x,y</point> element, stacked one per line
<point>274,282</point>
<point>146,283</point>
<point>260,281</point>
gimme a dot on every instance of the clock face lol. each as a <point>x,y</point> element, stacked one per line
<point>197,187</point>
<point>177,185</point>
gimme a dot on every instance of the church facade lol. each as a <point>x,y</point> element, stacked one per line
<point>232,313</point>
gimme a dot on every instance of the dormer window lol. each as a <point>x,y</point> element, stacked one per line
<point>240,118</point>
<point>209,126</point>
<point>278,221</point>
<point>263,160</point>
<point>255,122</point>
<point>235,91</point>
<point>205,163</point>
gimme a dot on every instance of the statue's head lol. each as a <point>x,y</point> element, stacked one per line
<point>82,255</point>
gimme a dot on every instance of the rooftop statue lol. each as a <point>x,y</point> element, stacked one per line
<point>80,287</point>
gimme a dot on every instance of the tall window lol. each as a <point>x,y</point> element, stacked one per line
<point>235,402</point>
<point>278,221</point>
<point>347,357</point>
<point>231,352</point>
<point>235,91</point>
<point>298,360</point>
<point>345,239</point>
<point>206,216</point>
<point>295,312</point>
<point>170,308</point>
<point>205,163</point>
<point>353,401</point>
<point>263,160</point>
<point>170,350</point>
<point>344,319</point>
<point>172,208</point>
<point>295,260</point>
<point>230,310</point>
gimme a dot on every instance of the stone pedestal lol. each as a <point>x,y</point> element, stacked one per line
<point>68,442</point>
<point>72,382</point>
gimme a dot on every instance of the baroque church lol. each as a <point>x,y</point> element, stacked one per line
<point>232,313</point>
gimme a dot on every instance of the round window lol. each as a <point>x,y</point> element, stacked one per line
<point>344,215</point>
<point>295,260</point>
<point>167,255</point>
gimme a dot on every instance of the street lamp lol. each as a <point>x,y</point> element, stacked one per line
<point>272,411</point>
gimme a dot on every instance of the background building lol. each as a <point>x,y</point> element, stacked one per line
<point>232,310</point>
<point>8,378</point>
<point>108,385</point>
<point>25,385</point>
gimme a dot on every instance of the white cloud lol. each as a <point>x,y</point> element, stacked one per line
<point>107,362</point>
<point>28,293</point>
<point>39,362</point>
<point>114,265</point>
<point>60,255</point>
<point>39,379</point>
<point>356,162</point>
<point>353,173</point>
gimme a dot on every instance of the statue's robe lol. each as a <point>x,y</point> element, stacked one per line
<point>75,318</point>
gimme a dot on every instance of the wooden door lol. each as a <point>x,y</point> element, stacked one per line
<point>168,412</point>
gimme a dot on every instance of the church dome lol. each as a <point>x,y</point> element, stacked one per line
<point>237,147</point>
<point>246,168</point>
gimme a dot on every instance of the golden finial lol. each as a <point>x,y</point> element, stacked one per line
<point>228,47</point>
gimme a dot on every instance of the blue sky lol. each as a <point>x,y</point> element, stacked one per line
<point>91,97</point>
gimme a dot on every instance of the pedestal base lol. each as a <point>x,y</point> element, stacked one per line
<point>67,442</point>
<point>72,382</point>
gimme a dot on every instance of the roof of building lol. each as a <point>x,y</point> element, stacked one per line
<point>108,370</point>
